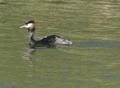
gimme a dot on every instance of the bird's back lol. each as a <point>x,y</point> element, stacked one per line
<point>48,41</point>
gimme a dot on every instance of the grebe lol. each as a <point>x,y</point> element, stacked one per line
<point>49,41</point>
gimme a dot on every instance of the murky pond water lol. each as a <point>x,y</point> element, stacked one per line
<point>92,61</point>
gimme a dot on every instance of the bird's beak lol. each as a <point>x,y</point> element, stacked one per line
<point>30,25</point>
<point>23,26</point>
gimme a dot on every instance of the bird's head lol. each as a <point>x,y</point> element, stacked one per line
<point>29,25</point>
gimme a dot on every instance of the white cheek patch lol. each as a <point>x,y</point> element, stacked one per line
<point>29,25</point>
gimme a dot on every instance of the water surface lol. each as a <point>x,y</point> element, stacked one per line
<point>92,62</point>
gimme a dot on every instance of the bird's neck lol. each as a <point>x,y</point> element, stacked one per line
<point>31,29</point>
<point>31,37</point>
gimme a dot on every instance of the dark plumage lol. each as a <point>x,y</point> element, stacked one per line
<point>49,41</point>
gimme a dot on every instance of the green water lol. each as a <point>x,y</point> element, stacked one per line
<point>93,61</point>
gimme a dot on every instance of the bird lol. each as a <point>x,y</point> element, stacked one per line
<point>48,41</point>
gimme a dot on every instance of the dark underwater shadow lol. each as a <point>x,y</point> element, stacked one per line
<point>58,2</point>
<point>93,43</point>
<point>99,43</point>
<point>76,44</point>
<point>3,3</point>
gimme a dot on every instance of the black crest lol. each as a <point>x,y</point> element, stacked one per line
<point>30,21</point>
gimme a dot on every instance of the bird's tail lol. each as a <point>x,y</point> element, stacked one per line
<point>62,41</point>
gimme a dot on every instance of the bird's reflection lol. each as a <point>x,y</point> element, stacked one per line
<point>29,61</point>
<point>28,54</point>
<point>31,51</point>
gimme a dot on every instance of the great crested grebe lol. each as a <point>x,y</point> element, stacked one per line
<point>49,41</point>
